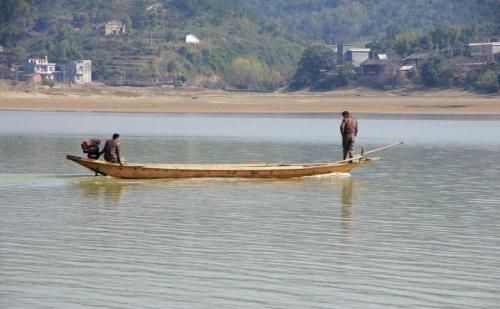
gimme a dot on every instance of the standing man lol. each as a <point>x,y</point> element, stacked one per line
<point>112,150</point>
<point>349,130</point>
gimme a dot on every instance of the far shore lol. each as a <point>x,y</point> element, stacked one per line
<point>167,100</point>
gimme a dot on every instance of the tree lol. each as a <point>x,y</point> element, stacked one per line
<point>246,73</point>
<point>431,72</point>
<point>315,60</point>
<point>140,17</point>
<point>405,43</point>
<point>14,16</point>
<point>488,81</point>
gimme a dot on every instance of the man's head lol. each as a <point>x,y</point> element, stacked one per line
<point>116,136</point>
<point>345,114</point>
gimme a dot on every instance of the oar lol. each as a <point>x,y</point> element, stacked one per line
<point>360,156</point>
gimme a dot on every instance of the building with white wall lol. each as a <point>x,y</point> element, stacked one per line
<point>192,39</point>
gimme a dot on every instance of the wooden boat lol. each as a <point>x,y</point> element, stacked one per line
<point>250,170</point>
<point>256,170</point>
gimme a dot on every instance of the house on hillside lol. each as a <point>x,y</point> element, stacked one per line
<point>356,55</point>
<point>342,52</point>
<point>114,27</point>
<point>378,72</point>
<point>192,39</point>
<point>33,78</point>
<point>489,38</point>
<point>379,67</point>
<point>484,52</point>
<point>78,72</point>
<point>333,47</point>
<point>40,66</point>
<point>416,59</point>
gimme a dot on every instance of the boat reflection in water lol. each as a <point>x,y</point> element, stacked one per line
<point>102,190</point>
<point>348,203</point>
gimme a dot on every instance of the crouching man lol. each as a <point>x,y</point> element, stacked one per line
<point>111,150</point>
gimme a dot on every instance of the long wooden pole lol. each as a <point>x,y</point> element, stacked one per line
<point>367,152</point>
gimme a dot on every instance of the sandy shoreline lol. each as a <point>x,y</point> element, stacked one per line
<point>157,100</point>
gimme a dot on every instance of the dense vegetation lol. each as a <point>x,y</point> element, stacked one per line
<point>245,44</point>
<point>153,49</point>
<point>445,47</point>
<point>336,21</point>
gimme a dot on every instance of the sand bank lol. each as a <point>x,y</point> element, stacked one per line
<point>153,100</point>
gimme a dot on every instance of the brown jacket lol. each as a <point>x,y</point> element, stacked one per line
<point>111,151</point>
<point>349,126</point>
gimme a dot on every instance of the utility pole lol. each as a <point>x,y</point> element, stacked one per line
<point>17,77</point>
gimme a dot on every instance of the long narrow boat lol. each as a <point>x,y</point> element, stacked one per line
<point>251,170</point>
<point>255,170</point>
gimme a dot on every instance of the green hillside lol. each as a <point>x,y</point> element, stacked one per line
<point>336,21</point>
<point>250,44</point>
<point>233,46</point>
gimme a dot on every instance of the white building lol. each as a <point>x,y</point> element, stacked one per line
<point>484,52</point>
<point>114,27</point>
<point>357,55</point>
<point>40,66</point>
<point>192,39</point>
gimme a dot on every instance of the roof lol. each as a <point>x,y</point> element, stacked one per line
<point>417,56</point>
<point>359,50</point>
<point>114,22</point>
<point>407,67</point>
<point>485,44</point>
<point>377,62</point>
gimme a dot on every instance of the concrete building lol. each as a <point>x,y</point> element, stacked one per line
<point>114,27</point>
<point>78,72</point>
<point>357,56</point>
<point>342,52</point>
<point>416,59</point>
<point>33,78</point>
<point>379,67</point>
<point>333,47</point>
<point>40,66</point>
<point>484,52</point>
<point>192,39</point>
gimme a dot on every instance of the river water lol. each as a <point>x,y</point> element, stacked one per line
<point>418,229</point>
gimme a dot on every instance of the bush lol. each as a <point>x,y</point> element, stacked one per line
<point>488,82</point>
<point>431,72</point>
<point>49,83</point>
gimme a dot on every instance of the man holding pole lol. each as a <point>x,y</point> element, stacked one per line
<point>349,131</point>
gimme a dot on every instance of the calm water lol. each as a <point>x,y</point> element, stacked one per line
<point>419,229</point>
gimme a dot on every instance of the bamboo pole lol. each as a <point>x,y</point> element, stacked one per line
<point>360,156</point>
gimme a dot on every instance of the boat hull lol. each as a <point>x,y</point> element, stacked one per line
<point>258,170</point>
